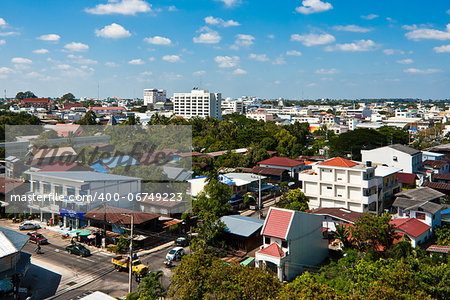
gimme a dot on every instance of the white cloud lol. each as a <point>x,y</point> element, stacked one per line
<point>111,64</point>
<point>370,17</point>
<point>419,71</point>
<point>357,46</point>
<point>352,28</point>
<point>227,61</point>
<point>158,40</point>
<point>199,73</point>
<point>81,60</point>
<point>70,71</point>
<point>4,72</point>
<point>313,6</point>
<point>2,42</point>
<point>405,61</point>
<point>393,51</point>
<point>113,31</point>
<point>136,61</point>
<point>123,7</point>
<point>76,47</point>
<point>271,36</point>
<point>327,71</point>
<point>9,33</point>
<point>2,22</point>
<point>172,58</point>
<point>41,51</point>
<point>218,21</point>
<point>63,67</point>
<point>243,40</point>
<point>239,71</point>
<point>417,34</point>
<point>49,37</point>
<point>293,53</point>
<point>147,73</point>
<point>207,37</point>
<point>279,60</point>
<point>21,60</point>
<point>442,49</point>
<point>313,39</point>
<point>151,58</point>
<point>172,8</point>
<point>259,57</point>
<point>448,12</point>
<point>230,3</point>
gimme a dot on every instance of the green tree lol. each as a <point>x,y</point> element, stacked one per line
<point>88,119</point>
<point>295,200</point>
<point>203,276</point>
<point>69,97</point>
<point>373,233</point>
<point>151,286</point>
<point>24,95</point>
<point>342,233</point>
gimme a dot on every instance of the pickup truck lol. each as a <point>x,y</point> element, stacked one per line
<point>121,263</point>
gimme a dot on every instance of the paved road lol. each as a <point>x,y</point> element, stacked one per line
<point>56,274</point>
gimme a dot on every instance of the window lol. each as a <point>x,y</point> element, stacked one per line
<point>58,190</point>
<point>70,191</point>
<point>47,188</point>
<point>36,186</point>
<point>267,240</point>
<point>394,158</point>
<point>420,216</point>
<point>329,187</point>
<point>284,244</point>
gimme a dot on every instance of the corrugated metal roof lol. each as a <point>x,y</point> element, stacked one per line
<point>11,241</point>
<point>404,149</point>
<point>83,176</point>
<point>242,225</point>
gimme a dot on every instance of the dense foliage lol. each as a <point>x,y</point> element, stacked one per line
<point>203,276</point>
<point>295,200</point>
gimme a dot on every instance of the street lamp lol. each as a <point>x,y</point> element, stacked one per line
<point>130,261</point>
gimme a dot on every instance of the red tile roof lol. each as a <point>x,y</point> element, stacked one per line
<point>339,162</point>
<point>435,163</point>
<point>281,162</point>
<point>273,250</point>
<point>116,215</point>
<point>439,249</point>
<point>108,108</point>
<point>339,213</point>
<point>36,100</point>
<point>442,176</point>
<point>277,223</point>
<point>411,226</point>
<point>407,178</point>
<point>438,185</point>
<point>62,166</point>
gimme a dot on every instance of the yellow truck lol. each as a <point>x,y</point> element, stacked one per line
<point>121,264</point>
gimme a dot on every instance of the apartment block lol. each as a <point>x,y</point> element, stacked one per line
<point>339,182</point>
<point>197,103</point>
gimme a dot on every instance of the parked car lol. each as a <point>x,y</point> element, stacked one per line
<point>37,238</point>
<point>175,253</point>
<point>29,226</point>
<point>183,242</point>
<point>78,249</point>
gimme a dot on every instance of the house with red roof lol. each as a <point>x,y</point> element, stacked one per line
<point>417,231</point>
<point>342,183</point>
<point>37,103</point>
<point>110,110</point>
<point>68,130</point>
<point>276,162</point>
<point>292,240</point>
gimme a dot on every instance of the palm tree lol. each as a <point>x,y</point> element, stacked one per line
<point>342,234</point>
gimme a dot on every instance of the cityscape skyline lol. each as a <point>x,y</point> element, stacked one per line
<point>296,49</point>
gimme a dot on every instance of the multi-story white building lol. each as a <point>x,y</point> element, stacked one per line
<point>398,156</point>
<point>339,182</point>
<point>152,96</point>
<point>260,116</point>
<point>71,194</point>
<point>197,103</point>
<point>232,106</point>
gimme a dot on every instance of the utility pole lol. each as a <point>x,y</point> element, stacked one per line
<point>259,195</point>
<point>130,274</point>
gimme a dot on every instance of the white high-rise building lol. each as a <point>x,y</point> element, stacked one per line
<point>152,96</point>
<point>197,103</point>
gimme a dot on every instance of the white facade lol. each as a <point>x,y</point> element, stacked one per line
<point>353,188</point>
<point>230,106</point>
<point>151,96</point>
<point>409,161</point>
<point>197,103</point>
<point>79,192</point>
<point>260,116</point>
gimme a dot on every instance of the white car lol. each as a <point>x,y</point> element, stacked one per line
<point>175,253</point>
<point>29,226</point>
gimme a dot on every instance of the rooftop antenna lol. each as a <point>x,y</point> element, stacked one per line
<point>4,94</point>
<point>98,90</point>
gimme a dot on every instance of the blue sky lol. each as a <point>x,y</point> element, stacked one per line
<point>292,49</point>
